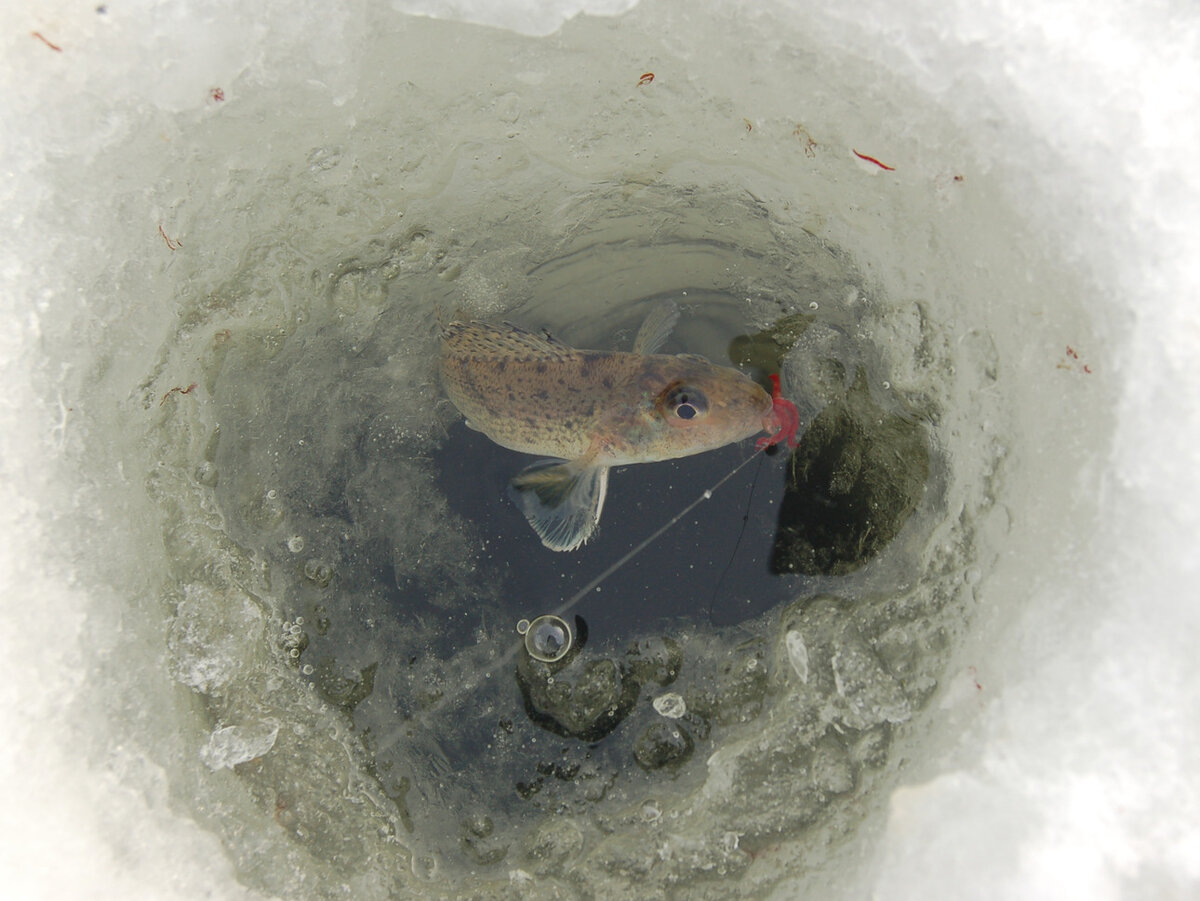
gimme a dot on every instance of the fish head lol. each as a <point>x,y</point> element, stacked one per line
<point>690,405</point>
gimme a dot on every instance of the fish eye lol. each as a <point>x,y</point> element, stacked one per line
<point>686,402</point>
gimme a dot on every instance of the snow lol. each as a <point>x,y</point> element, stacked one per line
<point>1058,759</point>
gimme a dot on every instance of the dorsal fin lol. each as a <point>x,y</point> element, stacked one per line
<point>445,320</point>
<point>657,328</point>
<point>545,336</point>
<point>487,341</point>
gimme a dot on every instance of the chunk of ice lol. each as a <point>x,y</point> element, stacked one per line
<point>230,745</point>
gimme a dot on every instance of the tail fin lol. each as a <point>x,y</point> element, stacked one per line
<point>562,501</point>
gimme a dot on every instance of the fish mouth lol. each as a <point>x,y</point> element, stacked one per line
<point>770,422</point>
<point>766,409</point>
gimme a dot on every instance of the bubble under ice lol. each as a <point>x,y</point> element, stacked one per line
<point>998,788</point>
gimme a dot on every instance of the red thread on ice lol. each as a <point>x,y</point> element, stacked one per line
<point>871,159</point>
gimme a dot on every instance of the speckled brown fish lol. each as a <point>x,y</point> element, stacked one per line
<point>592,410</point>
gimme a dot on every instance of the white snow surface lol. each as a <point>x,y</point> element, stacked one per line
<point>1066,766</point>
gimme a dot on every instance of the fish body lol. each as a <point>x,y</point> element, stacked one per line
<point>591,410</point>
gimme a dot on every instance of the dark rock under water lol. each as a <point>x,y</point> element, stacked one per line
<point>853,482</point>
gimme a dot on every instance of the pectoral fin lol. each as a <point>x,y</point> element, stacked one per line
<point>562,501</point>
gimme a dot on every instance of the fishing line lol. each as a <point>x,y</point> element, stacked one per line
<point>629,555</point>
<point>509,655</point>
<point>712,601</point>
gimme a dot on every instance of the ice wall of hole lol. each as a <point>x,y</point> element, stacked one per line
<point>334,464</point>
<point>311,472</point>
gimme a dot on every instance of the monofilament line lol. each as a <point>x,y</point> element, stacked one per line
<point>658,533</point>
<point>512,652</point>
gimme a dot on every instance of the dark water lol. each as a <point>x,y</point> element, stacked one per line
<point>712,567</point>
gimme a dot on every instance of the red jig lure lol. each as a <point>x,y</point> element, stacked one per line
<point>784,419</point>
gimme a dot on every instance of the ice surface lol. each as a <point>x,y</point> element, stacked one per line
<point>1058,762</point>
<point>797,653</point>
<point>230,745</point>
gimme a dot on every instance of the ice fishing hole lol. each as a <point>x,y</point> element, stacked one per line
<point>384,521</point>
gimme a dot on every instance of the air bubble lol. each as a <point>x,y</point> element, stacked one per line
<point>424,866</point>
<point>318,572</point>
<point>671,705</point>
<point>548,638</point>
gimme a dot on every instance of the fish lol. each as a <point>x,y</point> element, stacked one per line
<point>587,411</point>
